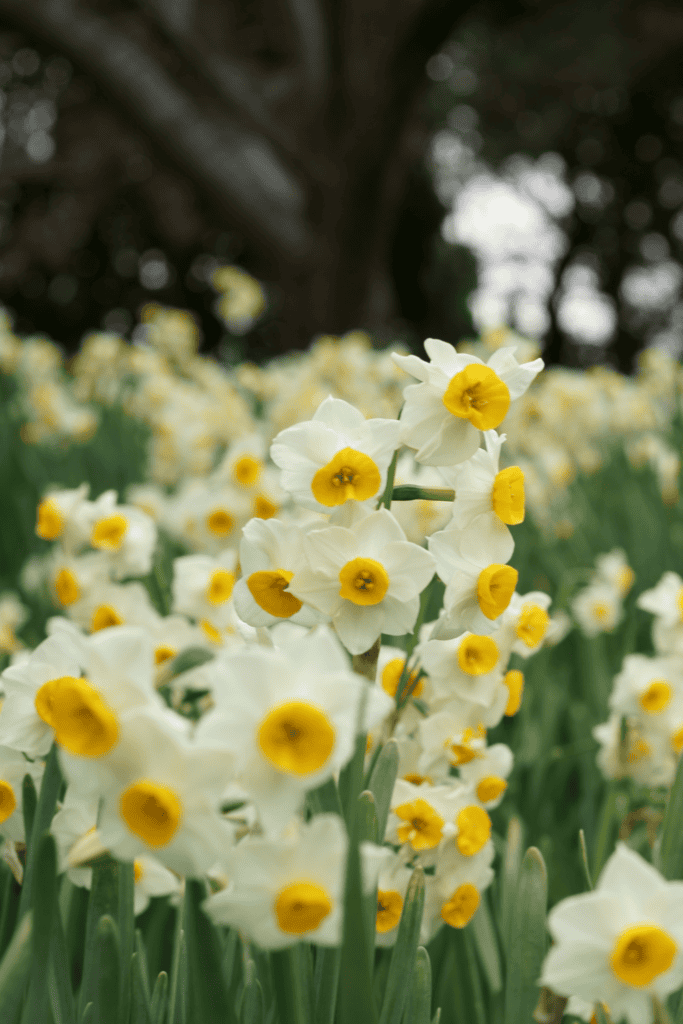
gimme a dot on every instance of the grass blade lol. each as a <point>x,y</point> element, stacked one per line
<point>419,1002</point>
<point>382,783</point>
<point>293,979</point>
<point>44,812</point>
<point>44,902</point>
<point>208,992</point>
<point>669,857</point>
<point>14,970</point>
<point>159,998</point>
<point>108,971</point>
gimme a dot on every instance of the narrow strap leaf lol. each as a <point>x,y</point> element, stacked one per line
<point>108,971</point>
<point>141,965</point>
<point>419,1002</point>
<point>293,980</point>
<point>104,899</point>
<point>252,1008</point>
<point>669,857</point>
<point>326,984</point>
<point>126,927</point>
<point>208,993</point>
<point>159,998</point>
<point>14,969</point>
<point>512,862</point>
<point>527,939</point>
<point>382,783</point>
<point>44,812</point>
<point>140,1006</point>
<point>176,964</point>
<point>44,902</point>
<point>403,956</point>
<point>486,941</point>
<point>62,999</point>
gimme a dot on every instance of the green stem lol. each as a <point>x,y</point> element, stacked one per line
<point>387,496</point>
<point>409,492</point>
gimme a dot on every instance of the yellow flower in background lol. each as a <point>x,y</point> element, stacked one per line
<point>242,299</point>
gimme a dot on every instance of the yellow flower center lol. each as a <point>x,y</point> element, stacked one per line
<point>638,750</point>
<point>508,495</point>
<point>532,624</point>
<point>495,587</point>
<point>296,737</point>
<point>220,523</point>
<point>264,508</point>
<point>220,586</point>
<point>479,395</point>
<point>301,907</point>
<point>246,470</point>
<point>210,632</point>
<point>268,590</point>
<point>164,653</point>
<point>474,830</point>
<point>423,826</point>
<point>679,602</point>
<point>49,520</point>
<point>656,697</point>
<point>66,587</point>
<point>417,779</point>
<point>8,801</point>
<point>389,909</point>
<point>151,811</point>
<point>350,475</point>
<point>107,534</point>
<point>391,675</point>
<point>514,680</point>
<point>600,610</point>
<point>490,787</point>
<point>103,617</point>
<point>363,581</point>
<point>463,752</point>
<point>625,578</point>
<point>641,954</point>
<point>138,870</point>
<point>477,655</point>
<point>83,723</point>
<point>677,740</point>
<point>461,907</point>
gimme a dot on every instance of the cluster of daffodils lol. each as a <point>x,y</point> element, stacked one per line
<point>599,606</point>
<point>643,737</point>
<point>195,717</point>
<point>621,945</point>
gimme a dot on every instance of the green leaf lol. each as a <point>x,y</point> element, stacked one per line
<point>44,812</point>
<point>419,1002</point>
<point>325,799</point>
<point>140,1007</point>
<point>29,802</point>
<point>62,999</point>
<point>382,783</point>
<point>512,862</point>
<point>669,858</point>
<point>527,939</point>
<point>403,956</point>
<point>606,829</point>
<point>190,658</point>
<point>9,902</point>
<point>409,492</point>
<point>44,902</point>
<point>208,992</point>
<point>159,998</point>
<point>484,934</point>
<point>104,899</point>
<point>584,858</point>
<point>437,1016</point>
<point>126,928</point>
<point>141,965</point>
<point>88,1015</point>
<point>356,1003</point>
<point>252,1008</point>
<point>293,980</point>
<point>108,971</point>
<point>175,992</point>
<point>479,1010</point>
<point>14,970</point>
<point>326,983</point>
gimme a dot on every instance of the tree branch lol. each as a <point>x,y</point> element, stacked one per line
<point>237,167</point>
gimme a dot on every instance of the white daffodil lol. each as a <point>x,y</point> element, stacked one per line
<point>287,890</point>
<point>207,517</point>
<point>645,754</point>
<point>458,398</point>
<point>202,586</point>
<point>450,738</point>
<point>125,534</point>
<point>390,667</point>
<point>367,579</point>
<point>597,608</point>
<point>479,583</point>
<point>113,604</point>
<point>621,944</point>
<point>488,773</point>
<point>647,686</point>
<point>336,456</point>
<point>162,796</point>
<point>425,817</point>
<point>13,614</point>
<point>613,568</point>
<point>294,725</point>
<point>459,881</point>
<point>525,623</point>
<point>75,818</point>
<point>13,768</point>
<point>481,488</point>
<point>151,878</point>
<point>271,552</point>
<point>71,577</point>
<point>665,602</point>
<point>469,666</point>
<point>55,517</point>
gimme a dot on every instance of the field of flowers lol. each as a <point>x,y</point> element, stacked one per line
<point>347,688</point>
